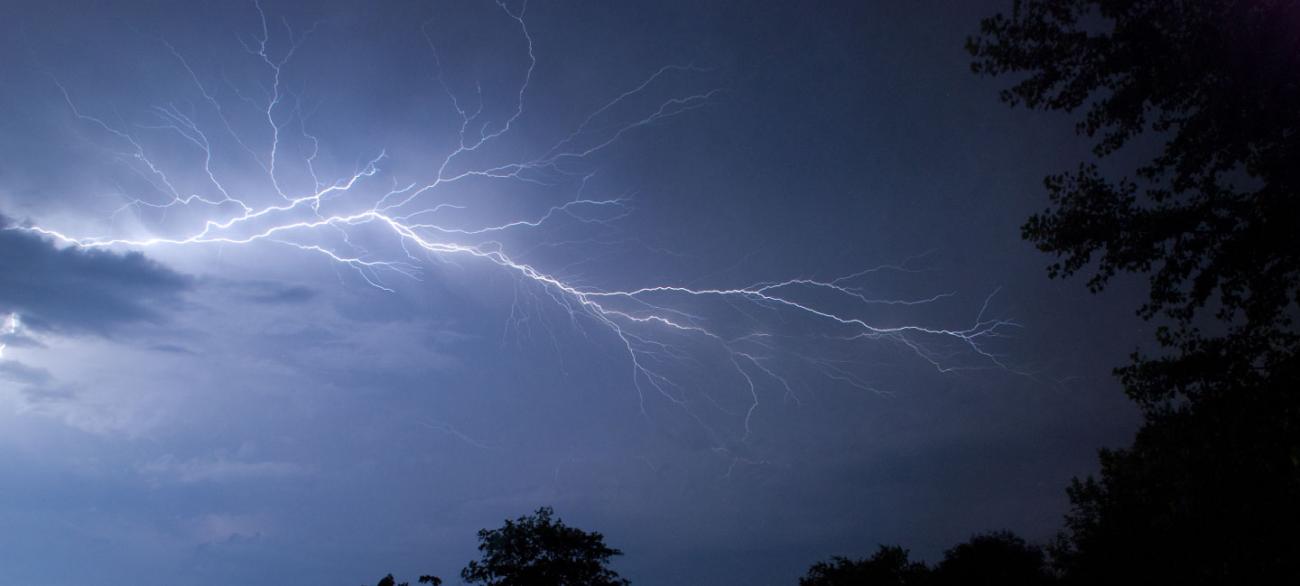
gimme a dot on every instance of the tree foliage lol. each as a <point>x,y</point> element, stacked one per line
<point>1209,90</point>
<point>1213,215</point>
<point>999,558</point>
<point>1204,496</point>
<point>993,559</point>
<point>426,579</point>
<point>539,550</point>
<point>889,566</point>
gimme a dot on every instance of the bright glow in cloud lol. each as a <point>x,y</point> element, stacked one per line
<point>11,325</point>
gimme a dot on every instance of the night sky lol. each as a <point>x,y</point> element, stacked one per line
<point>739,285</point>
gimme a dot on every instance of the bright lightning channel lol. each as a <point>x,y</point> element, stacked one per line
<point>643,321</point>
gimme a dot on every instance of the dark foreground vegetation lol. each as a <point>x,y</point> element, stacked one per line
<point>1209,491</point>
<point>536,550</point>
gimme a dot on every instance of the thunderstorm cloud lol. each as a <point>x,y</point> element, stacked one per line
<point>74,290</point>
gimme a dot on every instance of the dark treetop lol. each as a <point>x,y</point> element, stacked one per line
<point>1213,215</point>
<point>1204,97</point>
<point>538,550</point>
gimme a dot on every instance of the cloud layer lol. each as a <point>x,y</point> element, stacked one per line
<point>72,290</point>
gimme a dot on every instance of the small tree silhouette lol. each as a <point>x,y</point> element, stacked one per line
<point>538,550</point>
<point>426,579</point>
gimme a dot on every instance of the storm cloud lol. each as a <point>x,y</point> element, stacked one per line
<point>65,289</point>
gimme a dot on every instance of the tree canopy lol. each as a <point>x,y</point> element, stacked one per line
<point>992,559</point>
<point>997,558</point>
<point>540,550</point>
<point>1194,106</point>
<point>426,579</point>
<point>889,566</point>
<point>1212,215</point>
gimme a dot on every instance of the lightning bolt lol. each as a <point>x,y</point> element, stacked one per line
<point>653,326</point>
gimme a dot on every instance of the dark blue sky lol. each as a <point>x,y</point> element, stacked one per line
<point>326,403</point>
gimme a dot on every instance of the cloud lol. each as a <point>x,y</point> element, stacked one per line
<point>36,385</point>
<point>171,349</point>
<point>74,290</point>
<point>20,340</point>
<point>293,294</point>
<point>262,291</point>
<point>227,527</point>
<point>219,469</point>
<point>24,375</point>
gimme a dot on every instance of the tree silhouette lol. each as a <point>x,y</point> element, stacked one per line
<point>889,566</point>
<point>1204,496</point>
<point>540,551</point>
<point>999,558</point>
<point>993,559</point>
<point>1213,216</point>
<point>426,579</point>
<point>1209,493</point>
